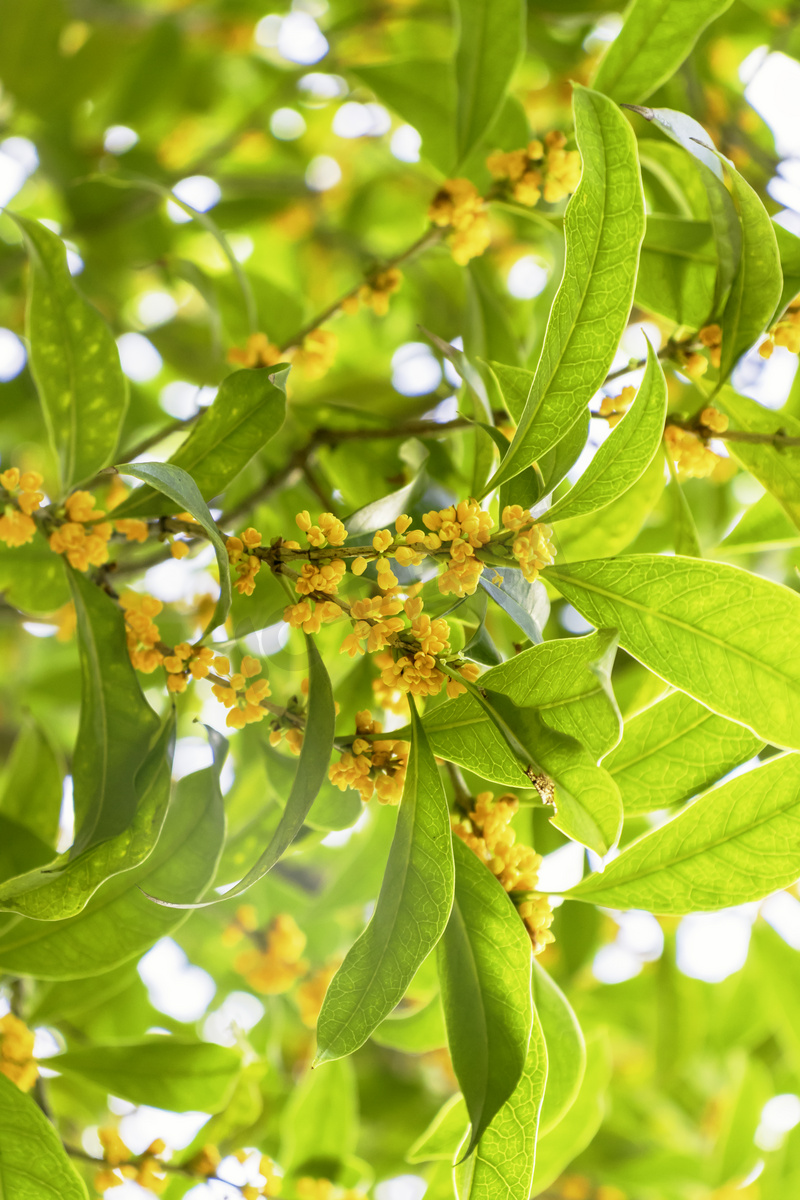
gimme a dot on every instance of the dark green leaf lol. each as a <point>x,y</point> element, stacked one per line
<point>74,362</point>
<point>32,577</point>
<point>702,860</point>
<point>165,1072</point>
<point>31,787</point>
<point>491,40</point>
<point>409,918</point>
<point>789,251</point>
<point>247,412</point>
<point>678,269</point>
<point>484,971</point>
<point>179,487</point>
<point>33,1164</point>
<point>625,454</point>
<point>669,616</point>
<point>21,850</point>
<point>655,39</point>
<point>674,749</point>
<point>591,309</point>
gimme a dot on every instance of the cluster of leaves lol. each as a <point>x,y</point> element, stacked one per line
<point>394,947</point>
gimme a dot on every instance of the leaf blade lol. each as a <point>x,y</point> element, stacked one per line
<point>491,38</point>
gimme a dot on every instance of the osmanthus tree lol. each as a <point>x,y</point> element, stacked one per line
<point>540,592</point>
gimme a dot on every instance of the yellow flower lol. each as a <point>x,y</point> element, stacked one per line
<point>134,530</point>
<point>16,528</point>
<point>16,1052</point>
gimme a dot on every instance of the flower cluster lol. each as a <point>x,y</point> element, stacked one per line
<point>246,563</point>
<point>459,205</point>
<point>277,963</point>
<point>543,169</point>
<point>141,631</point>
<point>258,352</point>
<point>16,1052</point>
<point>16,524</point>
<point>375,292</point>
<point>146,1171</point>
<point>691,455</point>
<point>711,337</point>
<point>322,1189</point>
<point>466,527</point>
<point>317,353</point>
<point>184,661</point>
<point>531,546</point>
<point>83,537</point>
<point>418,674</point>
<point>487,832</point>
<point>786,332</point>
<point>133,529</point>
<point>371,766</point>
<point>243,699</point>
<point>615,407</point>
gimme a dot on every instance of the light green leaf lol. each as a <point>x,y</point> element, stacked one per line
<point>31,785</point>
<point>119,923</point>
<point>656,38</point>
<point>685,538</point>
<point>501,1165</point>
<point>777,469</point>
<point>567,681</point>
<point>444,1134</point>
<point>410,915</point>
<point>165,1072</point>
<point>691,622</point>
<point>62,887</point>
<point>319,1124</point>
<point>179,487</point>
<point>677,269</point>
<point>416,1032</point>
<point>248,411</point>
<point>613,528</point>
<point>736,1152</point>
<point>580,1123</point>
<point>789,251</point>
<point>380,514</point>
<point>32,577</point>
<point>423,92</point>
<point>674,749</point>
<point>603,225</point>
<point>526,603</point>
<point>778,968</point>
<point>491,40</point>
<point>765,525</point>
<point>566,1048</point>
<point>758,283</point>
<point>484,972</point>
<point>33,1163</point>
<point>703,859</point>
<point>312,771</point>
<point>625,454</point>
<point>74,361</point>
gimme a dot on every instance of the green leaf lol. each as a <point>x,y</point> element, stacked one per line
<point>31,786</point>
<point>119,923</point>
<point>685,538</point>
<point>117,727</point>
<point>580,1123</point>
<point>501,1165</point>
<point>789,251</point>
<point>379,514</point>
<point>656,38</point>
<point>21,850</point>
<point>484,971</point>
<point>674,749</point>
<point>625,454</point>
<point>423,92</point>
<point>567,681</point>
<point>703,859</point>
<point>778,469</point>
<point>491,41</point>
<point>757,284</point>
<point>174,483</point>
<point>444,1134</point>
<point>312,771</point>
<point>63,886</point>
<point>615,526</point>
<point>32,577</point>
<point>165,1072</point>
<point>319,1125</point>
<point>677,269</point>
<point>670,616</point>
<point>566,1048</point>
<point>410,915</point>
<point>765,525</point>
<point>591,309</point>
<point>34,1164</point>
<point>248,411</point>
<point>416,1032</point>
<point>526,603</point>
<point>74,361</point>
<point>778,968</point>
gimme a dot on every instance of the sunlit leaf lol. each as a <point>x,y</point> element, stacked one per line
<point>34,1163</point>
<point>491,39</point>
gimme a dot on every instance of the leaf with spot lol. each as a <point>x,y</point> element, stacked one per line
<point>485,976</point>
<point>674,749</point>
<point>412,910</point>
<point>178,486</point>
<point>74,361</point>
<point>248,411</point>
<point>33,1162</point>
<point>735,844</point>
<point>603,226</point>
<point>692,622</point>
